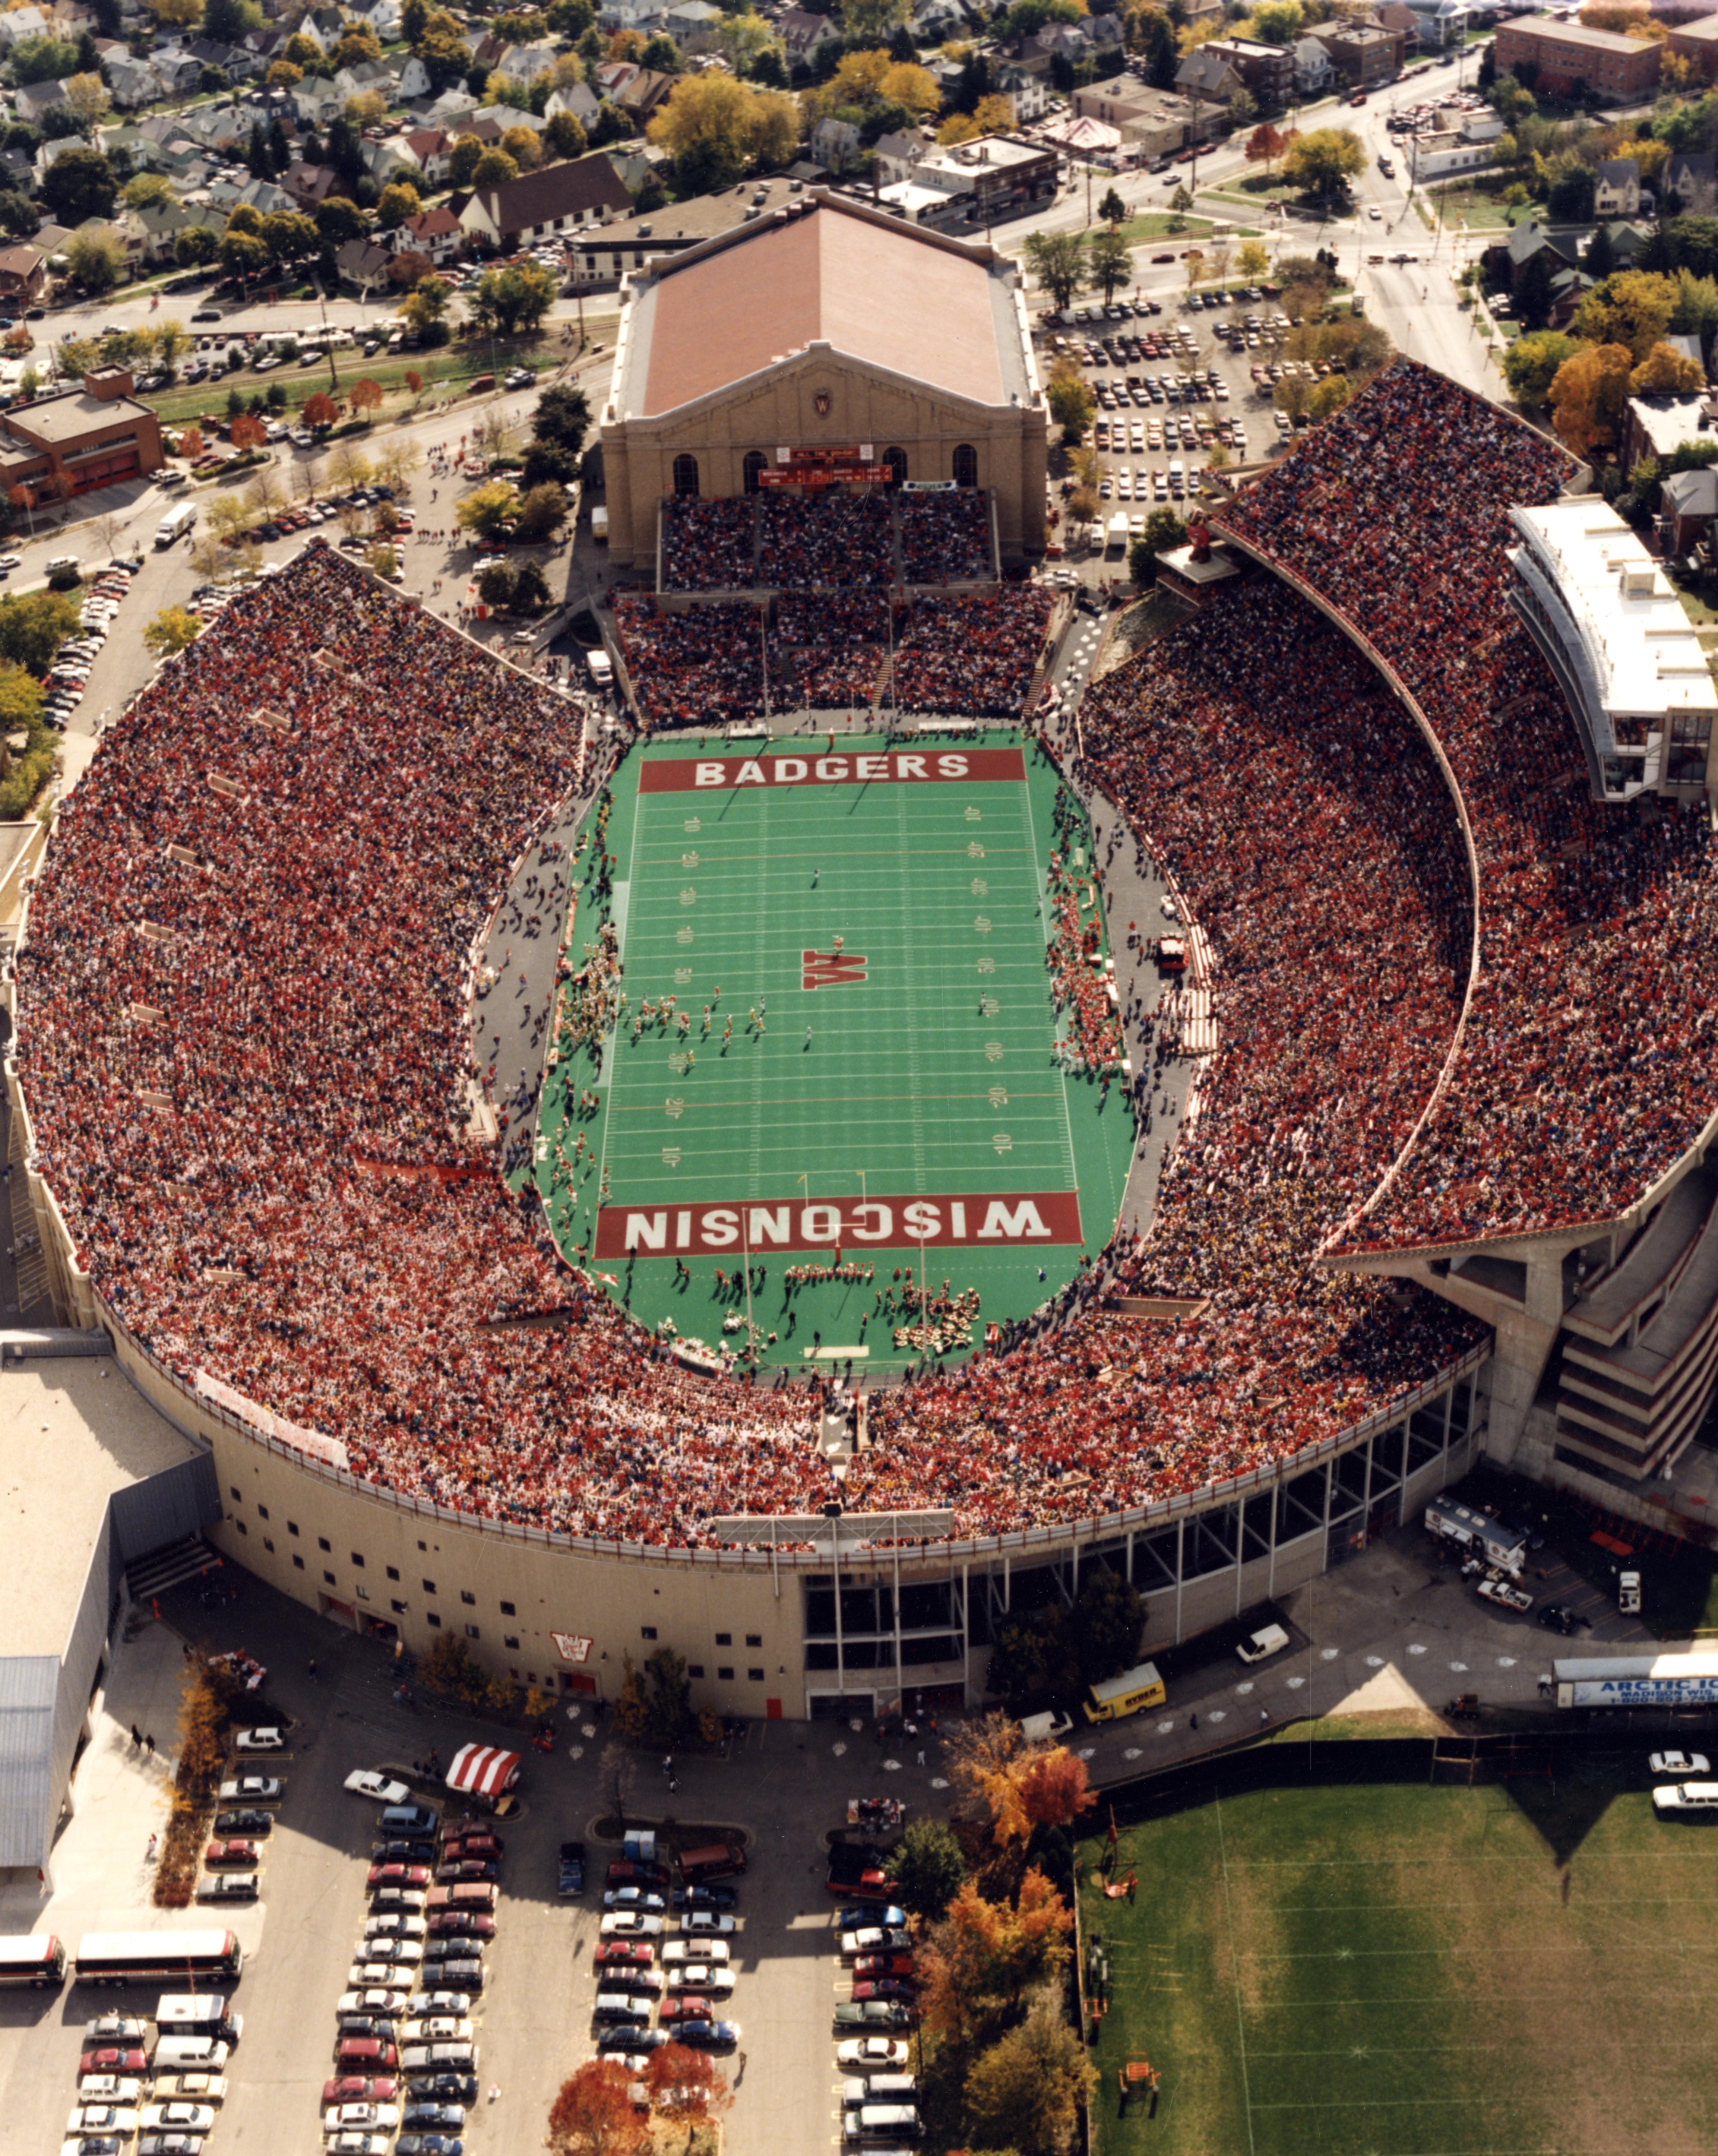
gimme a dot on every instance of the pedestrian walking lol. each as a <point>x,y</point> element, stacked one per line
<point>136,1735</point>
<point>1194,1720</point>
<point>149,1746</point>
<point>921,1756</point>
<point>149,1853</point>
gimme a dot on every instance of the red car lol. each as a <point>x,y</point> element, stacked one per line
<point>399,1875</point>
<point>232,1852</point>
<point>114,2059</point>
<point>689,2007</point>
<point>365,2052</point>
<point>884,1987</point>
<point>361,2088</point>
<point>625,1872</point>
<point>895,1964</point>
<point>455,1869</point>
<point>621,1952</point>
<point>461,1924</point>
<point>474,1841</point>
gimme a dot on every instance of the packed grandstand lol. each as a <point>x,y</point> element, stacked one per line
<point>242,1024</point>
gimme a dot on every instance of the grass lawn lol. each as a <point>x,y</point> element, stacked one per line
<point>450,367</point>
<point>1156,224</point>
<point>1516,1971</point>
<point>1481,212</point>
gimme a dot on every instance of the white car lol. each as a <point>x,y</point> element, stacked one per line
<point>364,1783</point>
<point>629,1924</point>
<point>200,2088</point>
<point>109,2088</point>
<point>357,2145</point>
<point>102,2118</point>
<point>448,2002</point>
<point>115,2028</point>
<point>1506,1597</point>
<point>438,2029</point>
<point>385,2004</point>
<point>259,1740</point>
<point>251,1789</point>
<point>1686,1765</point>
<point>678,1950</point>
<point>387,1968</point>
<point>394,1924</point>
<point>178,2118</point>
<point>713,1978</point>
<point>1270,1640</point>
<point>340,2118</point>
<point>706,1923</point>
<point>872,2054</point>
<point>875,1939</point>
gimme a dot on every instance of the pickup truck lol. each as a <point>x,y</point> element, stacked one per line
<point>856,1874</point>
<point>1506,1597</point>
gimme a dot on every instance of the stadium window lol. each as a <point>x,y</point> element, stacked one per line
<point>725,1638</point>
<point>363,1594</point>
<point>328,1578</point>
<point>511,1639</point>
<point>267,1546</point>
<point>723,1671</point>
<point>393,1572</point>
<point>472,1632</point>
<point>358,1559</point>
<point>398,1608</point>
<point>434,1619</point>
<point>262,1512</point>
<point>755,1676</point>
<point>755,462</point>
<point>508,1610</point>
<point>322,1543</point>
<point>965,466</point>
<point>754,1639</point>
<point>695,1669</point>
<point>686,478</point>
<point>896,460</point>
<point>298,1563</point>
<point>430,1586</point>
<point>292,1527</point>
<point>241,1526</point>
<point>647,1631</point>
<point>467,1597</point>
<point>237,1499</point>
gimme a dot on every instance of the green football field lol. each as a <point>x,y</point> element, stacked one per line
<point>1409,1971</point>
<point>871,1056</point>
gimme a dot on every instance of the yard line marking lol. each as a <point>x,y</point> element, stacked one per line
<point>1240,2015</point>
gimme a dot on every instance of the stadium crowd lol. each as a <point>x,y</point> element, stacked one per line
<point>789,542</point>
<point>972,653</point>
<point>1584,1070</point>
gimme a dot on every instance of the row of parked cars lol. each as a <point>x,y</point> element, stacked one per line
<point>874,2024</point>
<point>688,1988</point>
<point>406,2052</point>
<point>73,662</point>
<point>161,2082</point>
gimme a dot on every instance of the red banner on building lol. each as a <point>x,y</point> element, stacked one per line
<point>882,768</point>
<point>1035,1218</point>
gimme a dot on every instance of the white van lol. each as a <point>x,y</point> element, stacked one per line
<point>1044,1729</point>
<point>600,668</point>
<point>202,2055</point>
<point>856,2091</point>
<point>882,2122</point>
<point>187,2014</point>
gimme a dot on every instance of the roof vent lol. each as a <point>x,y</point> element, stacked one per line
<point>645,231</point>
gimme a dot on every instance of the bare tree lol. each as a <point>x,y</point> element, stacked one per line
<point>266,489</point>
<point>616,1779</point>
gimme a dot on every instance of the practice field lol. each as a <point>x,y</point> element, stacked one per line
<point>1414,1971</point>
<point>857,941</point>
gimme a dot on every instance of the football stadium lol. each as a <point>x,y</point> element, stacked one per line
<point>877,1212</point>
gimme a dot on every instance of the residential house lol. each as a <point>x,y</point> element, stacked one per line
<point>130,83</point>
<point>31,99</point>
<point>1443,24</point>
<point>1690,183</point>
<point>1266,72</point>
<point>1314,76</point>
<point>451,109</point>
<point>894,157</point>
<point>363,265</point>
<point>692,24</point>
<point>325,27</point>
<point>977,182</point>
<point>1658,426</point>
<point>368,75</point>
<point>436,232</point>
<point>1362,53</point>
<point>1208,76</point>
<point>644,15</point>
<point>21,23</point>
<point>381,16</point>
<point>263,196</point>
<point>179,73</point>
<point>316,102</point>
<point>1688,503</point>
<point>1568,289</point>
<point>1616,188</point>
<point>163,222</point>
<point>414,80</point>
<point>555,201</point>
<point>936,22</point>
<point>24,274</point>
<point>637,91</point>
<point>236,62</point>
<point>1027,92</point>
<point>1506,258</point>
<point>310,184</point>
<point>802,33</point>
<point>577,99</point>
<point>523,63</point>
<point>835,145</point>
<point>428,148</point>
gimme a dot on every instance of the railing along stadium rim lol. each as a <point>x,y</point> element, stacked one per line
<point>1094,1527</point>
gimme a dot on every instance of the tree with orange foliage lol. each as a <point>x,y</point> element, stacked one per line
<point>365,395</point>
<point>976,1965</point>
<point>191,443</point>
<point>247,432</point>
<point>1588,395</point>
<point>594,2114</point>
<point>320,409</point>
<point>686,2087</point>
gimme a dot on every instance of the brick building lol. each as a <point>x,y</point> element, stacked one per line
<point>82,438</point>
<point>1566,58</point>
<point>1266,72</point>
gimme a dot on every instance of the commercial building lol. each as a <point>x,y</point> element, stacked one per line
<point>974,183</point>
<point>1266,72</point>
<point>59,446</point>
<point>1365,55</point>
<point>1566,58</point>
<point>1697,42</point>
<point>549,204</point>
<point>825,323</point>
<point>1152,123</point>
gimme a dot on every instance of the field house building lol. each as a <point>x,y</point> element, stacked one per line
<point>823,323</point>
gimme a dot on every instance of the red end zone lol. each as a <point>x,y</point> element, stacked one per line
<point>1032,1218</point>
<point>718,774</point>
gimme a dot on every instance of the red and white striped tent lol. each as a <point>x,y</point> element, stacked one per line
<point>483,1770</point>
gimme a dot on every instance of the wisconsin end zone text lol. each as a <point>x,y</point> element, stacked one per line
<point>1037,1217</point>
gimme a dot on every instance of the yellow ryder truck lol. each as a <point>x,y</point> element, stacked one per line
<point>1125,1695</point>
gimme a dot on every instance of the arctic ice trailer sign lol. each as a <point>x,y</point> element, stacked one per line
<point>1639,1680</point>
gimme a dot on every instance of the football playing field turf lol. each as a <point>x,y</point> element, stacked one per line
<point>858,939</point>
<point>1396,1970</point>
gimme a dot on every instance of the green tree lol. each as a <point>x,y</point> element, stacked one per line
<point>339,219</point>
<point>1033,1656</point>
<point>463,160</point>
<point>1071,404</point>
<point>1322,162</point>
<point>243,255</point>
<point>1180,203</point>
<point>1059,262</point>
<point>20,697</point>
<point>289,236</point>
<point>927,1868</point>
<point>230,21</point>
<point>1277,22</point>
<point>1112,209</point>
<point>32,627</point>
<point>873,22</point>
<point>564,138</point>
<point>43,60</point>
<point>488,510</point>
<point>1243,109</point>
<point>1330,395</point>
<point>1163,533</point>
<point>1535,290</point>
<point>1108,264</point>
<point>494,588</point>
<point>542,510</point>
<point>1028,2090</point>
<point>667,1689</point>
<point>95,255</point>
<point>512,301</point>
<point>171,630</point>
<point>399,200</point>
<point>80,184</point>
<point>1633,308</point>
<point>194,246</point>
<point>1109,1616</point>
<point>18,215</point>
